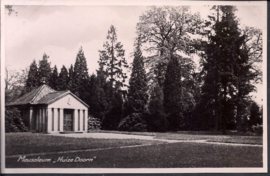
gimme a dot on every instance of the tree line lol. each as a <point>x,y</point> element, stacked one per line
<point>165,90</point>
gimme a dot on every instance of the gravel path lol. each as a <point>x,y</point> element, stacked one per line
<point>106,136</point>
<point>141,137</point>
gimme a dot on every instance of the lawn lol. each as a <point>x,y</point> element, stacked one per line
<point>213,138</point>
<point>156,154</point>
<point>25,143</point>
<point>175,155</point>
<point>197,135</point>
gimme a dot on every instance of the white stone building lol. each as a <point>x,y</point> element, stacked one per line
<point>50,111</point>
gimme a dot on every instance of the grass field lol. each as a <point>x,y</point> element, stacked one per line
<point>156,154</point>
<point>197,135</point>
<point>26,143</point>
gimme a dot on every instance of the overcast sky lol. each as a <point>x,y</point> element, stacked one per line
<point>59,31</point>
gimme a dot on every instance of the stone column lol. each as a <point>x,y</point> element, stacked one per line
<point>41,119</point>
<point>49,120</point>
<point>44,120</point>
<point>55,119</point>
<point>81,120</point>
<point>31,119</point>
<point>86,120</point>
<point>37,120</point>
<point>61,119</point>
<point>75,120</point>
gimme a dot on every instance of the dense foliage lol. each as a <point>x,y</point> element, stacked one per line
<point>63,79</point>
<point>112,61</point>
<point>137,93</point>
<point>113,115</point>
<point>54,79</point>
<point>226,74</point>
<point>172,94</point>
<point>14,121</point>
<point>133,122</point>
<point>166,90</point>
<point>93,123</point>
<point>32,79</point>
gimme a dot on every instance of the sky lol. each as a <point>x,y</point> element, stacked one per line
<point>59,31</point>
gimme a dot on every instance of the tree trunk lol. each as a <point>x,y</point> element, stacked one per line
<point>224,108</point>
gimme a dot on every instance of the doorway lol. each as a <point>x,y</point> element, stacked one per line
<point>68,119</point>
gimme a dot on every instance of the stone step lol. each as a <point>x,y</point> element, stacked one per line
<point>71,132</point>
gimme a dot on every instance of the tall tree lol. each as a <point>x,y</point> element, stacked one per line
<point>54,79</point>
<point>247,71</point>
<point>103,84</point>
<point>15,83</point>
<point>222,53</point>
<point>97,102</point>
<point>137,92</point>
<point>156,119</point>
<point>164,31</point>
<point>44,70</point>
<point>71,84</point>
<point>113,116</point>
<point>112,60</point>
<point>81,77</point>
<point>63,79</point>
<point>255,114</point>
<point>172,94</point>
<point>32,79</point>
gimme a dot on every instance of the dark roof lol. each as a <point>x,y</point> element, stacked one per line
<point>43,95</point>
<point>51,96</point>
<point>29,97</point>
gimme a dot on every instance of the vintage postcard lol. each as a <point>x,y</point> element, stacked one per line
<point>133,86</point>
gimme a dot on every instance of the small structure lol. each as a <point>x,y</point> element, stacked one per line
<point>47,110</point>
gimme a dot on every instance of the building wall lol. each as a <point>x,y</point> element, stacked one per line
<point>40,117</point>
<point>50,119</point>
<point>68,102</point>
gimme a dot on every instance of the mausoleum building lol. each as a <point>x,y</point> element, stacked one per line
<point>49,111</point>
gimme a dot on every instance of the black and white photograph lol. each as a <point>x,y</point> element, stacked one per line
<point>133,86</point>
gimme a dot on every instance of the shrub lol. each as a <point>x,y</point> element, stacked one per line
<point>133,122</point>
<point>157,122</point>
<point>258,129</point>
<point>14,121</point>
<point>126,110</point>
<point>113,116</point>
<point>111,119</point>
<point>93,123</point>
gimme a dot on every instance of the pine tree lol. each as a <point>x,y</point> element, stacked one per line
<point>246,73</point>
<point>44,70</point>
<point>137,93</point>
<point>71,85</point>
<point>97,100</point>
<point>103,84</point>
<point>81,77</point>
<point>63,79</point>
<point>156,118</point>
<point>172,94</point>
<point>54,79</point>
<point>112,60</point>
<point>32,79</point>
<point>113,116</point>
<point>222,53</point>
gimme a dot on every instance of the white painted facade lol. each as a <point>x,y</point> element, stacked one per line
<point>50,118</point>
